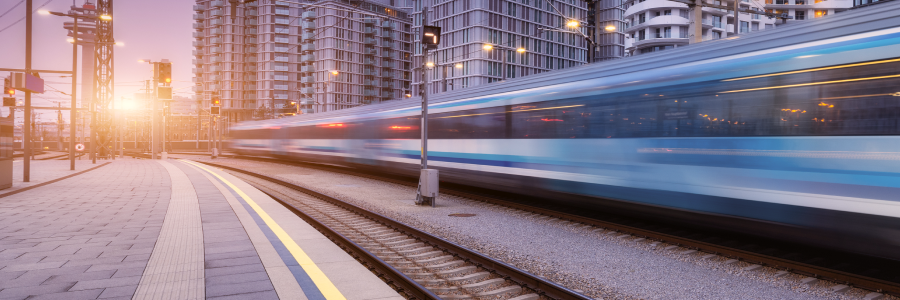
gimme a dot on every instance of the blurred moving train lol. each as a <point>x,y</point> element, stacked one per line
<point>789,134</point>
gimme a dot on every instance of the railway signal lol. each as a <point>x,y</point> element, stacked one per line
<point>431,36</point>
<point>8,88</point>
<point>165,74</point>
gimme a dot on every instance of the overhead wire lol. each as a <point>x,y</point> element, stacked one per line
<point>23,18</point>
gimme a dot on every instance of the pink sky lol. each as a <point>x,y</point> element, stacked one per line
<point>153,29</point>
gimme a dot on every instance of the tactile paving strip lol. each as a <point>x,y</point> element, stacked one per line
<point>175,270</point>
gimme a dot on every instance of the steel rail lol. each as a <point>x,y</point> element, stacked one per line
<point>393,276</point>
<point>855,280</point>
<point>521,277</point>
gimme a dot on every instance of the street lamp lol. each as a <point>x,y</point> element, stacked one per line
<point>610,28</point>
<point>573,24</point>
<point>74,41</point>
<point>489,47</point>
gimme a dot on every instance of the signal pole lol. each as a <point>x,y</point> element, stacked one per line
<point>26,141</point>
<point>428,178</point>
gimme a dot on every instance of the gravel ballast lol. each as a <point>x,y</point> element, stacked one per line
<point>601,263</point>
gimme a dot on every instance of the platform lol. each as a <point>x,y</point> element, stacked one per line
<point>174,229</point>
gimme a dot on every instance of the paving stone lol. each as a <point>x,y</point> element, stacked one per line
<point>73,295</point>
<point>105,283</point>
<point>236,278</point>
<point>119,291</point>
<point>239,288</point>
<point>256,296</point>
<point>81,276</point>
<point>30,290</point>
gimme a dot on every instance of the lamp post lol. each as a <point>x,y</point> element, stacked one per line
<point>72,111</point>
<point>490,47</point>
<point>329,74</point>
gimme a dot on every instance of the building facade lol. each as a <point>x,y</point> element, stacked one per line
<point>656,25</point>
<point>461,60</point>
<point>271,58</point>
<point>610,24</point>
<point>353,53</point>
<point>807,9</point>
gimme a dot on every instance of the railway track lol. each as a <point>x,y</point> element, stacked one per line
<point>416,263</point>
<point>867,273</point>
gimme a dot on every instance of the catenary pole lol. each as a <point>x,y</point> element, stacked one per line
<point>737,20</point>
<point>26,139</point>
<point>72,112</point>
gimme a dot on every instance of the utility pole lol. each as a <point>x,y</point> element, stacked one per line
<point>737,20</point>
<point>696,24</point>
<point>428,178</point>
<point>154,119</point>
<point>72,113</point>
<point>26,141</point>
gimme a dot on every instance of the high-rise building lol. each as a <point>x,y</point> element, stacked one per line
<point>610,24</point>
<point>656,25</point>
<point>467,25</point>
<point>268,58</point>
<point>807,9</point>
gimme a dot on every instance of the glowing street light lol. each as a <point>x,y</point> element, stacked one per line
<point>334,73</point>
<point>106,17</point>
<point>429,64</point>
<point>488,47</point>
<point>573,23</point>
<point>459,65</point>
<point>520,50</point>
<point>610,28</point>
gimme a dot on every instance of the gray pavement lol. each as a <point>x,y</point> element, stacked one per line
<point>143,229</point>
<point>86,237</point>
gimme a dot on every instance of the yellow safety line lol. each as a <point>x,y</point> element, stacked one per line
<point>318,277</point>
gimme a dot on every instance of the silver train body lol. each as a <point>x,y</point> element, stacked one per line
<point>789,134</point>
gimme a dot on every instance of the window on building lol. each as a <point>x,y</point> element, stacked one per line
<point>821,13</point>
<point>642,18</point>
<point>716,35</point>
<point>684,13</point>
<point>745,26</point>
<point>800,15</point>
<point>667,12</point>
<point>755,26</point>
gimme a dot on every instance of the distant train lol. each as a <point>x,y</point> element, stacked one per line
<point>790,134</point>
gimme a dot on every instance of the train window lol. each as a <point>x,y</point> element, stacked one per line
<point>861,100</point>
<point>487,123</point>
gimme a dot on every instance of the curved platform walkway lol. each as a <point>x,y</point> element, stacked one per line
<point>175,229</point>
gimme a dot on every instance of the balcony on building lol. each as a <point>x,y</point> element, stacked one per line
<point>198,17</point>
<point>199,7</point>
<point>308,15</point>
<point>307,47</point>
<point>308,90</point>
<point>307,79</point>
<point>308,58</point>
<point>198,26</point>
<point>307,69</point>
<point>217,3</point>
<point>387,25</point>
<point>307,36</point>
<point>369,30</point>
<point>309,26</point>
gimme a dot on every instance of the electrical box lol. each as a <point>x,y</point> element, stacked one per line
<point>164,92</point>
<point>429,180</point>
<point>6,151</point>
<point>214,110</point>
